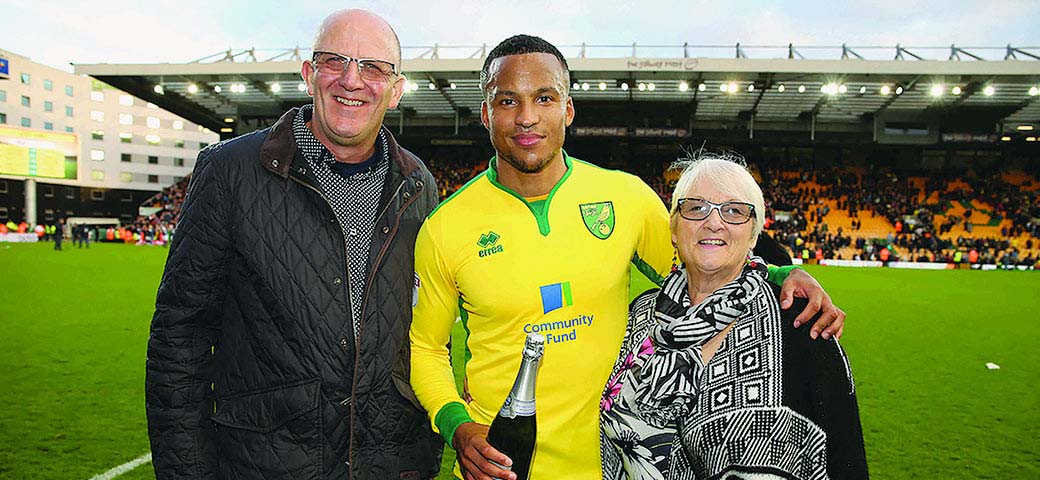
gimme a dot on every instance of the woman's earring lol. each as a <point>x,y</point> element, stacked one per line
<point>675,261</point>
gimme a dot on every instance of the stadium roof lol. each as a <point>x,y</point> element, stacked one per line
<point>236,91</point>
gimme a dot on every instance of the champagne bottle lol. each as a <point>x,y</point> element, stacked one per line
<point>513,431</point>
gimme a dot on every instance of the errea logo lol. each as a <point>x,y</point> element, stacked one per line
<point>488,244</point>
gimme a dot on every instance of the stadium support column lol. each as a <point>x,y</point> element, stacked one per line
<point>30,202</point>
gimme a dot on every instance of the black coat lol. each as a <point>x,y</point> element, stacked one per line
<point>253,370</point>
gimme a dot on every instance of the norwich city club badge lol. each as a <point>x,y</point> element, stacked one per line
<point>599,218</point>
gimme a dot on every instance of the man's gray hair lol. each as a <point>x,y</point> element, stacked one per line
<point>728,172</point>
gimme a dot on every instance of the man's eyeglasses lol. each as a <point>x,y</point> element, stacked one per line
<point>371,70</point>
<point>734,213</point>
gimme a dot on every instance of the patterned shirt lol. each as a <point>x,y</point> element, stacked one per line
<point>354,198</point>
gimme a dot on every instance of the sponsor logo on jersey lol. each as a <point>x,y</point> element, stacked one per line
<point>599,218</point>
<point>556,296</point>
<point>488,244</point>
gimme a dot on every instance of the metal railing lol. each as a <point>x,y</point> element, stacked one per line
<point>686,50</point>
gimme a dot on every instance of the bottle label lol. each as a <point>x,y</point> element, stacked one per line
<point>513,408</point>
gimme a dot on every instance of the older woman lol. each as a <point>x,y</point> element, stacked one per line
<point>713,379</point>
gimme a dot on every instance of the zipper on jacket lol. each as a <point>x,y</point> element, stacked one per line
<point>368,290</point>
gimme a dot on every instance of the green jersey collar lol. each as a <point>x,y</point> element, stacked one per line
<point>541,215</point>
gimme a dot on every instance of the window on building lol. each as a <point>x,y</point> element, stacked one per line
<point>126,177</point>
<point>3,119</point>
<point>152,139</point>
<point>97,155</point>
<point>124,157</point>
<point>68,90</point>
<point>179,143</point>
<point>97,135</point>
<point>153,179</point>
<point>3,186</point>
<point>69,129</point>
<point>152,159</point>
<point>97,96</point>
<point>48,106</point>
<point>3,96</point>
<point>178,162</point>
<point>126,138</point>
<point>48,85</point>
<point>26,102</point>
<point>68,113</point>
<point>97,175</point>
<point>153,122</point>
<point>48,125</point>
<point>26,78</point>
<point>126,100</point>
<point>26,122</point>
<point>97,115</point>
<point>178,125</point>
<point>97,194</point>
<point>126,119</point>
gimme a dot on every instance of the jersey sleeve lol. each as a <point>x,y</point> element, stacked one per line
<point>654,251</point>
<point>433,317</point>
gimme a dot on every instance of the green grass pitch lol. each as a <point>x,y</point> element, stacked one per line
<point>74,327</point>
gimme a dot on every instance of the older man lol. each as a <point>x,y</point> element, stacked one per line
<point>540,242</point>
<point>278,346</point>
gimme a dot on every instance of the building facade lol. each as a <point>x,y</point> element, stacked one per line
<point>118,149</point>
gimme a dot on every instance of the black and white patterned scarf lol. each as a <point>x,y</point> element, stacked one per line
<point>667,386</point>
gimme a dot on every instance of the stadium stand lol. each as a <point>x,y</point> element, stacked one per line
<point>849,213</point>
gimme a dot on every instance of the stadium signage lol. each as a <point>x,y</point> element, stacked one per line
<point>626,132</point>
<point>683,64</point>
<point>969,137</point>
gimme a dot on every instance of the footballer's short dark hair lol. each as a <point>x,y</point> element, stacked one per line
<point>519,45</point>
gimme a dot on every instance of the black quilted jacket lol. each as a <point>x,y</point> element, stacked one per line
<point>253,371</point>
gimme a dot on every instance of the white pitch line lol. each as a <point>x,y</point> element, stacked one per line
<point>126,467</point>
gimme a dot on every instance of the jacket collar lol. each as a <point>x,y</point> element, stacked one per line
<point>279,149</point>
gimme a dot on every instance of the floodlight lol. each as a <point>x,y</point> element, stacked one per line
<point>642,86</point>
<point>724,87</point>
<point>781,88</point>
<point>1025,128</point>
<point>863,89</point>
<point>216,88</point>
<point>585,86</point>
<point>989,90</point>
<point>602,85</point>
<point>842,88</point>
<point>302,87</point>
<point>1030,139</point>
<point>451,85</point>
<point>885,90</point>
<point>751,87</point>
<point>193,89</point>
<point>899,90</point>
<point>575,86</point>
<point>683,86</point>
<point>936,91</point>
<point>702,87</point>
<point>801,89</point>
<point>732,87</point>
<point>650,86</point>
<point>276,87</point>
<point>955,90</point>
<point>431,86</point>
<point>624,86</point>
<point>159,89</point>
<point>1033,91</point>
<point>1005,138</point>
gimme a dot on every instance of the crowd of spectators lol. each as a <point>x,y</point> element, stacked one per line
<point>918,214</point>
